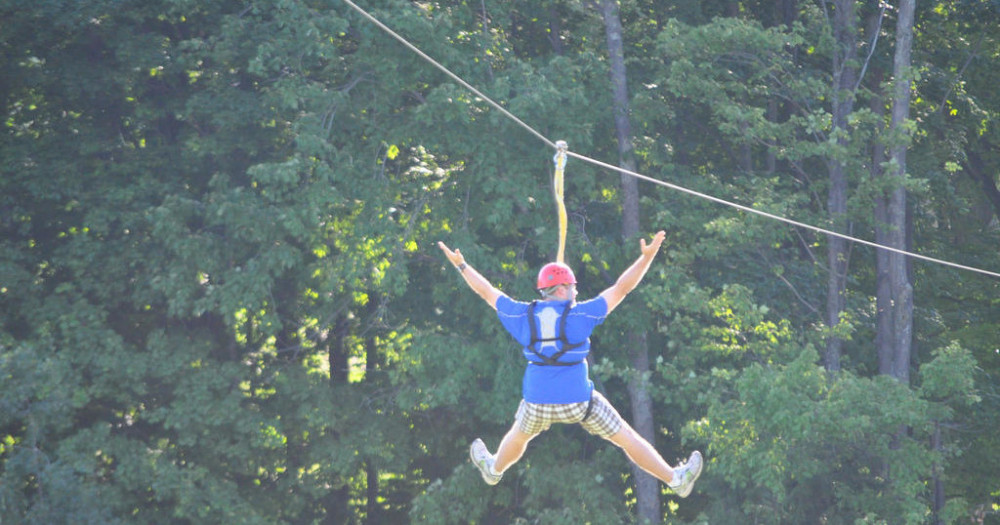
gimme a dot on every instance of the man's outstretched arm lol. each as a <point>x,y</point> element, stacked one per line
<point>630,278</point>
<point>474,279</point>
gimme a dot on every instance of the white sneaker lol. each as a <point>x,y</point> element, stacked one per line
<point>686,474</point>
<point>483,461</point>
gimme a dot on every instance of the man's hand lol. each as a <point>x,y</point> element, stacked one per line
<point>455,257</point>
<point>631,277</point>
<point>474,279</point>
<point>653,247</point>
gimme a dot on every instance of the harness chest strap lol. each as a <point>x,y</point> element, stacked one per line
<point>536,338</point>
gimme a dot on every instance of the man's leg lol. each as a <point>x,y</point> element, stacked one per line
<point>640,452</point>
<point>511,449</point>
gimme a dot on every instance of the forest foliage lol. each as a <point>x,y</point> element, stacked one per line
<point>221,299</point>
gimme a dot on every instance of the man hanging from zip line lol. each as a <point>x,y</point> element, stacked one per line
<point>555,335</point>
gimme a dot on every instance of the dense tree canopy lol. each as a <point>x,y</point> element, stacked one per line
<point>221,299</point>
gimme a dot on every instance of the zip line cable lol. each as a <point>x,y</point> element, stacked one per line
<point>665,184</point>
<point>453,76</point>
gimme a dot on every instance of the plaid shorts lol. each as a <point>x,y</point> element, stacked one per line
<point>603,420</point>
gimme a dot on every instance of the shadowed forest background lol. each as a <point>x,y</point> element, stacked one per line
<point>221,299</point>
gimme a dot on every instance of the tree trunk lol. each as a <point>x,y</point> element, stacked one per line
<point>977,169</point>
<point>372,516</point>
<point>647,487</point>
<point>339,352</point>
<point>555,29</point>
<point>883,289</point>
<point>336,502</point>
<point>896,324</point>
<point>771,159</point>
<point>898,271</point>
<point>845,75</point>
<point>938,483</point>
<point>785,12</point>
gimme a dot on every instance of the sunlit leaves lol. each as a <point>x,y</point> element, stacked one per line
<point>745,328</point>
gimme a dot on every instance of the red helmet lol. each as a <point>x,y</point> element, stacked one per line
<point>554,274</point>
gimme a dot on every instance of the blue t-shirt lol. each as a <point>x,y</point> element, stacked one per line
<point>554,384</point>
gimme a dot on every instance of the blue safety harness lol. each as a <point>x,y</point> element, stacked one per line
<point>536,338</point>
<point>553,360</point>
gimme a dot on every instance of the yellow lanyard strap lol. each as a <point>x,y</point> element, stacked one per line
<point>560,162</point>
